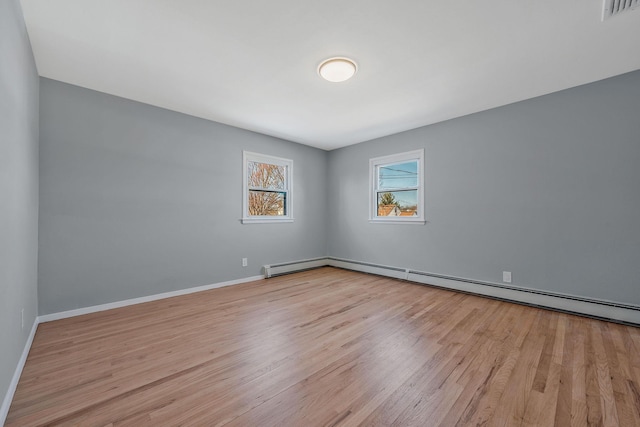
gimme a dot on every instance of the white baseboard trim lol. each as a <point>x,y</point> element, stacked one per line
<point>601,309</point>
<point>6,403</point>
<point>140,300</point>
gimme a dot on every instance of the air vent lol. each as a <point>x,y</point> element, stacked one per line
<point>612,8</point>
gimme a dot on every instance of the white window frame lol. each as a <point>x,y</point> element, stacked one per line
<point>392,159</point>
<point>247,157</point>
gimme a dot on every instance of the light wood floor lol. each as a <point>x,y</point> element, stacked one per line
<point>330,347</point>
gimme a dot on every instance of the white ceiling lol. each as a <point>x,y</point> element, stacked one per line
<point>253,64</point>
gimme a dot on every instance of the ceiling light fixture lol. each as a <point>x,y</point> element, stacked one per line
<point>337,69</point>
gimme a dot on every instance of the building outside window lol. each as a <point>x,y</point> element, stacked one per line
<point>397,189</point>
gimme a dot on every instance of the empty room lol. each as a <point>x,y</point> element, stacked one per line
<point>290,213</point>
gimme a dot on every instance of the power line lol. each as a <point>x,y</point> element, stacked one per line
<point>398,170</point>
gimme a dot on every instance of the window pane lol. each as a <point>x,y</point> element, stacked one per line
<point>267,203</point>
<point>267,176</point>
<point>399,175</point>
<point>398,203</point>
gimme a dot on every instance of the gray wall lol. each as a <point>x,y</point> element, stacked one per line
<point>18,188</point>
<point>548,188</point>
<point>136,200</point>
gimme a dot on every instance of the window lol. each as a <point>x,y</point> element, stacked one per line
<point>397,194</point>
<point>266,188</point>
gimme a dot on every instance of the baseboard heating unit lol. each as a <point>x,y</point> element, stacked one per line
<point>293,267</point>
<point>591,307</point>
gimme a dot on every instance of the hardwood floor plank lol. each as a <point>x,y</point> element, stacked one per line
<point>579,411</point>
<point>542,371</point>
<point>542,403</point>
<point>566,360</point>
<point>603,376</point>
<point>329,347</point>
<point>622,399</point>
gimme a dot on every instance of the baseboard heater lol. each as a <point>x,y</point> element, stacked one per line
<point>274,270</point>
<point>596,308</point>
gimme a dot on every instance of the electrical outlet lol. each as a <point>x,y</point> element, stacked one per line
<point>506,276</point>
<point>22,319</point>
<point>244,262</point>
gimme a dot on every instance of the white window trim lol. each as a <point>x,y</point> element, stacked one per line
<point>373,187</point>
<point>248,156</point>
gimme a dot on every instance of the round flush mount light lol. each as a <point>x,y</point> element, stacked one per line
<point>337,69</point>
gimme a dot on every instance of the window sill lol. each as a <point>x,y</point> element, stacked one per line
<point>398,221</point>
<point>264,220</point>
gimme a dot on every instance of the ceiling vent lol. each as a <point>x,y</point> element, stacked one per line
<point>612,8</point>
